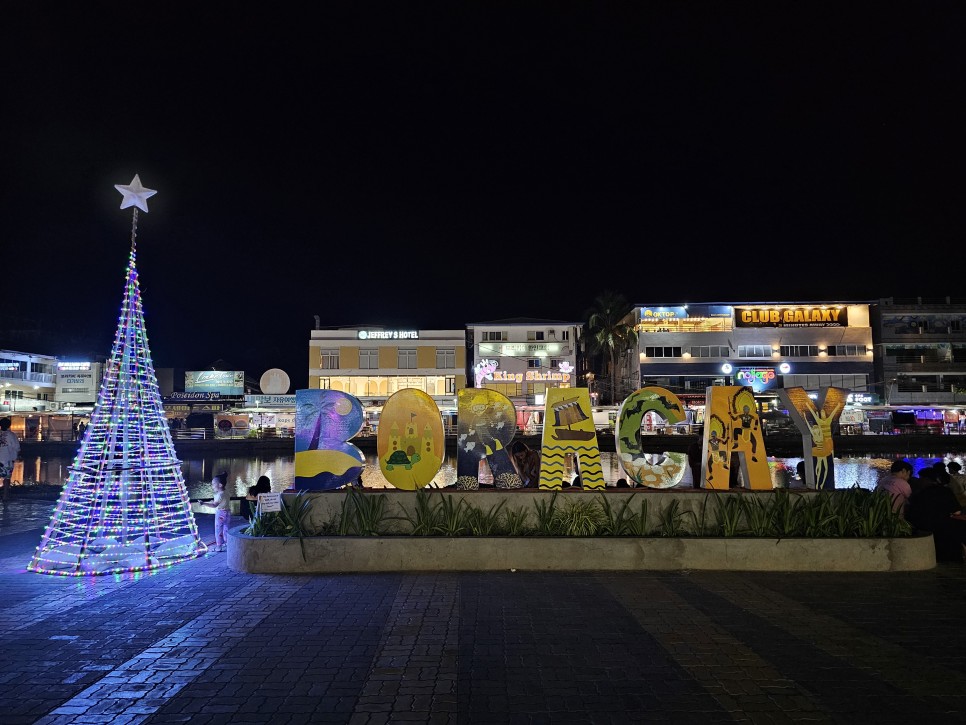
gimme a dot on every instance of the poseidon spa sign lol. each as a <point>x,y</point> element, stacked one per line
<point>791,317</point>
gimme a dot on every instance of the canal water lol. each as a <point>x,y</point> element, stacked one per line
<point>280,468</point>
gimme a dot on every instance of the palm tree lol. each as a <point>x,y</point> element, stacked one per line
<point>608,332</point>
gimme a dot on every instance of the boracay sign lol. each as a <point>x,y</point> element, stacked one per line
<point>410,442</point>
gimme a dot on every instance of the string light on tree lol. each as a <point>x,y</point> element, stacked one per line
<point>125,505</point>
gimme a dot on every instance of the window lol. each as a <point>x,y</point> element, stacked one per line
<point>662,352</point>
<point>565,334</point>
<point>533,362</point>
<point>450,385</point>
<point>407,359</point>
<point>534,335</point>
<point>710,351</point>
<point>556,363</point>
<point>494,336</point>
<point>445,358</point>
<point>369,359</point>
<point>329,359</point>
<point>799,350</point>
<point>852,350</point>
<point>754,350</point>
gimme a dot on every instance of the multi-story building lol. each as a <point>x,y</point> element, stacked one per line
<point>374,362</point>
<point>523,357</point>
<point>686,348</point>
<point>921,350</point>
<point>28,380</point>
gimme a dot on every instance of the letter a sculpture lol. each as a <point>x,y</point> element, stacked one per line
<point>125,506</point>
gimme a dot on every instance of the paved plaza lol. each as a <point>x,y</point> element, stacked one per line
<point>198,643</point>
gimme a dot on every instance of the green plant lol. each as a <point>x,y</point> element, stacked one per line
<point>619,522</point>
<point>730,512</point>
<point>757,515</point>
<point>362,513</point>
<point>578,517</point>
<point>448,516</point>
<point>785,514</point>
<point>484,523</point>
<point>454,514</point>
<point>546,515</point>
<point>817,515</point>
<point>672,519</point>
<point>515,521</point>
<point>873,515</point>
<point>637,524</point>
<point>289,522</point>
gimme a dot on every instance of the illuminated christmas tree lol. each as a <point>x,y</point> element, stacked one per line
<point>125,505</point>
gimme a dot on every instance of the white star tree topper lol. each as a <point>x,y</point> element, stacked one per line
<point>135,194</point>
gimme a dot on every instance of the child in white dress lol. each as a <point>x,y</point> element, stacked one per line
<point>222,506</point>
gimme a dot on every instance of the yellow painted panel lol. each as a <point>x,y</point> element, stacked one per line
<point>732,428</point>
<point>568,430</point>
<point>410,441</point>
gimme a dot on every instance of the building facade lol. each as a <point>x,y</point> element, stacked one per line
<point>921,350</point>
<point>372,363</point>
<point>29,381</point>
<point>686,348</point>
<point>523,357</point>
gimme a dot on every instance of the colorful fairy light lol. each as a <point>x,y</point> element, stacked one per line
<point>125,506</point>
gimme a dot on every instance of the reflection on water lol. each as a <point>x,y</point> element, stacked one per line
<point>244,471</point>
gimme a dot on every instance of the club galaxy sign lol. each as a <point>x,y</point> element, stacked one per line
<point>791,317</point>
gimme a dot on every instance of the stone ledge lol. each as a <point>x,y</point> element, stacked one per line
<point>334,554</point>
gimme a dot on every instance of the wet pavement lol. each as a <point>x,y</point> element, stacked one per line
<point>198,643</point>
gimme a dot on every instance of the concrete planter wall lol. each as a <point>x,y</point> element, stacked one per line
<point>330,554</point>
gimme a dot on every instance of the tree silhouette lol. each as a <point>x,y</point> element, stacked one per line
<point>610,333</point>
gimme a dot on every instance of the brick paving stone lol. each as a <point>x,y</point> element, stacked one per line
<point>197,643</point>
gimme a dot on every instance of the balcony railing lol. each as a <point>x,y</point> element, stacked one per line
<point>46,378</point>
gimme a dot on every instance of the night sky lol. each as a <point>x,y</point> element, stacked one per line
<point>430,165</point>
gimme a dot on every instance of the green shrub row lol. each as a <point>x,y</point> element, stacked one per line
<point>853,512</point>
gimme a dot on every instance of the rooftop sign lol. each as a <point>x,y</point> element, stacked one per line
<point>388,334</point>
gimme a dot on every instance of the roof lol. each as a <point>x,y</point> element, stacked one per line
<point>525,321</point>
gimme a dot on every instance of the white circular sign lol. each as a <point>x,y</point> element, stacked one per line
<point>274,382</point>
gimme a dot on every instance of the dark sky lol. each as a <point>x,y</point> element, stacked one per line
<point>429,165</point>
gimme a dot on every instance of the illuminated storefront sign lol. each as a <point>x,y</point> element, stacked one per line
<point>791,317</point>
<point>663,313</point>
<point>757,379</point>
<point>73,366</point>
<point>388,334</point>
<point>518,348</point>
<point>192,396</point>
<point>269,401</point>
<point>656,314</point>
<point>502,376</point>
<point>862,399</point>
<point>226,382</point>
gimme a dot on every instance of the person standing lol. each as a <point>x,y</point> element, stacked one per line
<point>222,506</point>
<point>9,454</point>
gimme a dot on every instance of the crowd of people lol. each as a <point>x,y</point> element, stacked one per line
<point>932,500</point>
